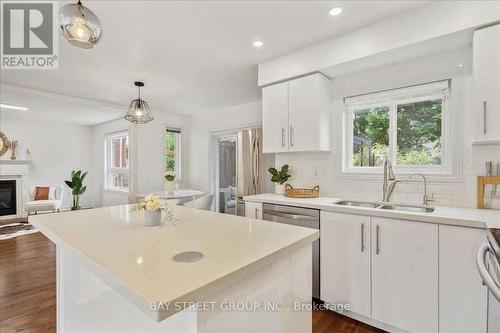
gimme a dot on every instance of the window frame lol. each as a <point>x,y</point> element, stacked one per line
<point>178,150</point>
<point>392,98</point>
<point>109,170</point>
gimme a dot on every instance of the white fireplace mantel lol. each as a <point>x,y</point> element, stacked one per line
<point>18,170</point>
<point>14,167</point>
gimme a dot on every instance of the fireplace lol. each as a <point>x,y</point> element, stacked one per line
<point>8,197</point>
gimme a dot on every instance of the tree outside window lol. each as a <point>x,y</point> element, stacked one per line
<point>173,151</point>
<point>408,130</point>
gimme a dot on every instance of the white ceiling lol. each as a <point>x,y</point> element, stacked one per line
<point>193,56</point>
<point>56,107</point>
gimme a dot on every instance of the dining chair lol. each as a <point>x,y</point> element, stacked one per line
<point>204,203</point>
<point>132,198</point>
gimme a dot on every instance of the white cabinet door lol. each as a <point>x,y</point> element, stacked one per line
<point>486,74</point>
<point>253,210</point>
<point>275,118</point>
<point>309,113</point>
<point>405,274</point>
<point>462,297</point>
<point>345,260</point>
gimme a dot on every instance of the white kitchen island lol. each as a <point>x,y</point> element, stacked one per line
<point>115,275</point>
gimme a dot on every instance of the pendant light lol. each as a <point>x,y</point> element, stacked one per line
<point>138,111</point>
<point>79,25</point>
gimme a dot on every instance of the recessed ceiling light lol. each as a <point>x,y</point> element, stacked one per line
<point>13,107</point>
<point>258,43</point>
<point>335,11</point>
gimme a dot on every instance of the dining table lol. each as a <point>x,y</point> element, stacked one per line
<point>184,195</point>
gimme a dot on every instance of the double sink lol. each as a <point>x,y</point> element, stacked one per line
<point>388,206</point>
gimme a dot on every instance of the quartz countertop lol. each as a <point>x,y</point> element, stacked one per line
<point>466,217</point>
<point>137,260</point>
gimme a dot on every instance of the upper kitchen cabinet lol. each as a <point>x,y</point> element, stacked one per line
<point>296,115</point>
<point>275,118</point>
<point>486,71</point>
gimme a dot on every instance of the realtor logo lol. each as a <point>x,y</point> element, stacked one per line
<point>29,36</point>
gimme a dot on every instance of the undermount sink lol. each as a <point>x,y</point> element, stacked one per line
<point>358,204</point>
<point>388,206</point>
<point>409,208</point>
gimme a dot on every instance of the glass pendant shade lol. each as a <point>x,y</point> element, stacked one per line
<point>139,111</point>
<point>79,26</point>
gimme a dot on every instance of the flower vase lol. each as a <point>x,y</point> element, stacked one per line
<point>169,187</point>
<point>13,146</point>
<point>152,218</point>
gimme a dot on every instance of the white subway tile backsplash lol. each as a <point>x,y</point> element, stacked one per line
<point>408,187</point>
<point>416,198</point>
<point>453,189</point>
<point>310,169</point>
<point>372,186</point>
<point>463,201</point>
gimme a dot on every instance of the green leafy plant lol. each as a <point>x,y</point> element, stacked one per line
<point>281,176</point>
<point>76,186</point>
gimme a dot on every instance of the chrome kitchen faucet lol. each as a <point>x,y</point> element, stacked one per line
<point>390,181</point>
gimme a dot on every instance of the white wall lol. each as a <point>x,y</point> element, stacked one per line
<point>324,169</point>
<point>203,126</point>
<point>105,197</point>
<point>56,149</point>
<point>147,152</point>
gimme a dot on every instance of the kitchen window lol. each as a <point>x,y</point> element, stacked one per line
<point>406,126</point>
<point>173,151</point>
<point>117,161</point>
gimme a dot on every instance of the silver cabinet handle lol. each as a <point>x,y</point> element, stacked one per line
<point>283,137</point>
<point>256,212</point>
<point>377,248</point>
<point>291,136</point>
<point>362,237</point>
<point>485,111</point>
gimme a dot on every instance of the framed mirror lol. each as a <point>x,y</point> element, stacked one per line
<point>4,144</point>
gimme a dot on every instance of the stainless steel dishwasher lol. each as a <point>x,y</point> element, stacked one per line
<point>302,217</point>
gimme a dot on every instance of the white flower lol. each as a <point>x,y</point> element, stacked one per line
<point>151,202</point>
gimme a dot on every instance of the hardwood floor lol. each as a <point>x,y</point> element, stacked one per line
<point>332,322</point>
<point>28,291</point>
<point>27,284</point>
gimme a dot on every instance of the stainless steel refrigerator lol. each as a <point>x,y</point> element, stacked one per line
<point>249,165</point>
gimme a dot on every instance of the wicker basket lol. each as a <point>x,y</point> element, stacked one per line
<point>301,192</point>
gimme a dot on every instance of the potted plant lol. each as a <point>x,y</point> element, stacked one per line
<point>76,186</point>
<point>152,206</point>
<point>279,178</point>
<point>170,179</point>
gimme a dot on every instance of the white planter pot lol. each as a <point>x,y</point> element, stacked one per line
<point>279,189</point>
<point>152,218</point>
